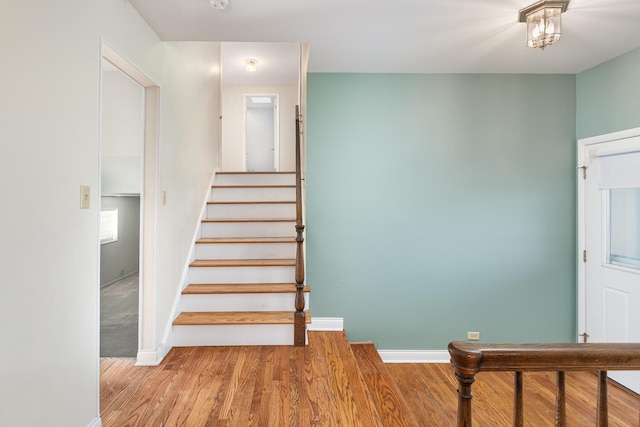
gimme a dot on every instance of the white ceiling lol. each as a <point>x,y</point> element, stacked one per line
<point>407,36</point>
<point>278,63</point>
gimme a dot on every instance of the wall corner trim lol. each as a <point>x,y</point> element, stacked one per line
<point>414,356</point>
<point>96,422</point>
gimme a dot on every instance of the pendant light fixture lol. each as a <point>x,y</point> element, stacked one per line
<point>543,22</point>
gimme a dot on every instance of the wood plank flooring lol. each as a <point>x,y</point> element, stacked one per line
<point>323,384</point>
<point>429,390</point>
<point>240,386</point>
<point>386,395</point>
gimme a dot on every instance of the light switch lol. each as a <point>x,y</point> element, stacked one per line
<point>164,197</point>
<point>85,197</point>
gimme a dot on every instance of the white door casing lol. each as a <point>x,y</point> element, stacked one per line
<point>608,294</point>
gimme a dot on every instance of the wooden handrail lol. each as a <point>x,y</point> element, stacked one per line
<point>470,358</point>
<point>300,321</point>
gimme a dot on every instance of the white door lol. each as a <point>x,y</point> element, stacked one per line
<point>610,235</point>
<point>261,132</point>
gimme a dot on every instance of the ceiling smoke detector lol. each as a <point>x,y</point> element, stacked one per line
<point>220,4</point>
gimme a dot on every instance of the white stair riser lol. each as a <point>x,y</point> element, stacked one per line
<point>205,275</point>
<point>249,229</point>
<point>256,194</point>
<point>245,250</point>
<point>253,210</point>
<point>227,335</point>
<point>256,179</point>
<point>241,302</point>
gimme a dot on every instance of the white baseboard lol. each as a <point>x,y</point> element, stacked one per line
<point>96,422</point>
<point>149,357</point>
<point>414,356</point>
<point>326,324</point>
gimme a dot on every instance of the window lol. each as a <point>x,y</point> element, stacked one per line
<point>108,226</point>
<point>624,227</point>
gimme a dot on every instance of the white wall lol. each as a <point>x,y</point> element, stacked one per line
<point>233,124</point>
<point>49,128</point>
<point>122,133</point>
<point>188,154</point>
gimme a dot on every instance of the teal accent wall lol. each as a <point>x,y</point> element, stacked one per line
<point>608,96</point>
<point>441,204</point>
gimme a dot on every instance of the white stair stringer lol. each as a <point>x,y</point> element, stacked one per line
<point>247,240</point>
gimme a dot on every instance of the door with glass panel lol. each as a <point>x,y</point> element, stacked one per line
<point>610,215</point>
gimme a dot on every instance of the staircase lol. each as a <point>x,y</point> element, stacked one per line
<point>242,287</point>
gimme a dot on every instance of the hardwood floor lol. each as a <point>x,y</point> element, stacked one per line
<point>429,390</point>
<point>323,384</point>
<point>240,386</point>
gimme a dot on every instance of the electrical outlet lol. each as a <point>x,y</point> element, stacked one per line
<point>473,336</point>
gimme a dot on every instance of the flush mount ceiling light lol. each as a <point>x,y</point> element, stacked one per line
<point>252,64</point>
<point>220,4</point>
<point>543,22</point>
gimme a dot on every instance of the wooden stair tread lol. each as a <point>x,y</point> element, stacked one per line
<point>214,240</point>
<point>237,318</point>
<point>256,173</point>
<point>243,263</point>
<point>386,395</point>
<point>249,220</point>
<point>255,186</point>
<point>253,202</point>
<point>241,288</point>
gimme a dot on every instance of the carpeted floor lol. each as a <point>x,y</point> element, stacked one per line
<point>119,318</point>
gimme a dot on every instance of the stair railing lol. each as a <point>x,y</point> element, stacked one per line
<point>470,358</point>
<point>300,321</point>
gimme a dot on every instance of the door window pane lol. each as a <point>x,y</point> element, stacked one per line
<point>623,234</point>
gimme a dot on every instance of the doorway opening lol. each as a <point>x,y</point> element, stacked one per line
<point>137,167</point>
<point>122,137</point>
<point>262,132</point>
